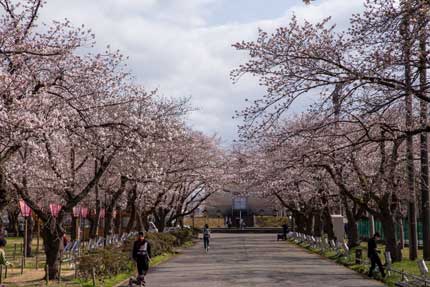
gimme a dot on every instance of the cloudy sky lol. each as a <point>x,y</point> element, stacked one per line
<point>183,47</point>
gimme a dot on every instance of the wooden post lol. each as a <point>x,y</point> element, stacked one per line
<point>37,261</point>
<point>47,274</point>
<point>22,264</point>
<point>14,251</point>
<point>38,235</point>
<point>94,277</point>
<point>59,269</point>
<point>76,267</point>
<point>25,237</point>
<point>78,228</point>
<point>120,222</point>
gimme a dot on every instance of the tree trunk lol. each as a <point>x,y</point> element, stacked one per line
<point>53,243</point>
<point>112,204</point>
<point>145,221</point>
<point>140,225</point>
<point>74,231</point>
<point>352,233</point>
<point>412,212</point>
<point>131,205</point>
<point>117,221</point>
<point>108,221</point>
<point>401,234</point>
<point>95,221</point>
<point>425,196</point>
<point>389,228</point>
<point>181,221</point>
<point>300,222</point>
<point>317,225</point>
<point>13,221</point>
<point>308,224</point>
<point>371,225</point>
<point>160,219</point>
<point>30,229</point>
<point>328,224</point>
<point>352,230</point>
<point>4,194</point>
<point>132,219</point>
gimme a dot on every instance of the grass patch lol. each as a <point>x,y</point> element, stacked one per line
<point>405,265</point>
<point>270,221</point>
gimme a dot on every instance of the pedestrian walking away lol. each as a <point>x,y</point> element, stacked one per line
<point>372,253</point>
<point>206,237</point>
<point>285,231</point>
<point>142,256</point>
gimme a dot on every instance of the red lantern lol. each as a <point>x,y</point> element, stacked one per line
<point>102,213</point>
<point>84,212</point>
<point>25,209</point>
<point>76,211</point>
<point>55,209</point>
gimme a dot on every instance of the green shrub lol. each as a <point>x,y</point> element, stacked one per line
<point>182,236</point>
<point>106,262</point>
<point>271,221</point>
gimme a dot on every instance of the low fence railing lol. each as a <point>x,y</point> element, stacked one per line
<point>342,250</point>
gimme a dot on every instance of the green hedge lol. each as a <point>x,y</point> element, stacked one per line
<point>109,261</point>
<point>112,261</point>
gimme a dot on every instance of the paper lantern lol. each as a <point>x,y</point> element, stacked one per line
<point>25,209</point>
<point>84,212</point>
<point>76,211</point>
<point>102,213</point>
<point>55,209</point>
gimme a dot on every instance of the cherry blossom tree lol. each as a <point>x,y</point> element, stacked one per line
<point>375,66</point>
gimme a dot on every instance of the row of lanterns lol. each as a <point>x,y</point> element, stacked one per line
<point>55,209</point>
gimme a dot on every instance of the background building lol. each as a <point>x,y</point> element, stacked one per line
<point>233,204</point>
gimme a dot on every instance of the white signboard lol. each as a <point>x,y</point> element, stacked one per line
<point>239,203</point>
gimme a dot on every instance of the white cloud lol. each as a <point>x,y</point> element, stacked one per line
<point>172,47</point>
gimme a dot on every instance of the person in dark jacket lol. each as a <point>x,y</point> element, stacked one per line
<point>372,253</point>
<point>142,255</point>
<point>285,231</point>
<point>206,237</point>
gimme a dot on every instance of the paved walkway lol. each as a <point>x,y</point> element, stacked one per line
<point>252,260</point>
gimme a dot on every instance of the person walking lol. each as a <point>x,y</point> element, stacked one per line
<point>372,253</point>
<point>206,237</point>
<point>3,260</point>
<point>285,231</point>
<point>142,256</point>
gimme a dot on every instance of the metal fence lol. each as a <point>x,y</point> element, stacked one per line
<point>364,229</point>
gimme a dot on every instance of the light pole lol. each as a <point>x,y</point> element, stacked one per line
<point>101,217</point>
<point>114,214</point>
<point>26,213</point>
<point>76,214</point>
<point>84,214</point>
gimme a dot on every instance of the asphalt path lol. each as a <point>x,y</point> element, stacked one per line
<point>252,260</point>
